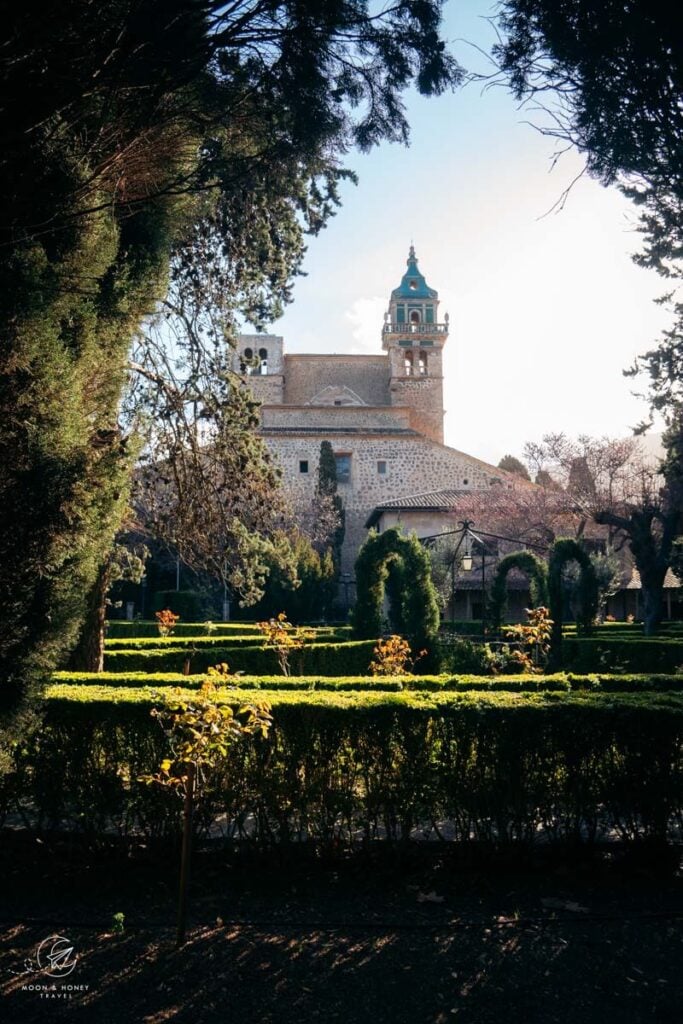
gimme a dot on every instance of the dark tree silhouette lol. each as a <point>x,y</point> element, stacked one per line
<point>134,130</point>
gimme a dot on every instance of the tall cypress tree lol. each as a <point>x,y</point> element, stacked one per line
<point>327,488</point>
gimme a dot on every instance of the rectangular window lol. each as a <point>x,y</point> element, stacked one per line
<point>303,465</point>
<point>400,314</point>
<point>343,468</point>
<point>381,467</point>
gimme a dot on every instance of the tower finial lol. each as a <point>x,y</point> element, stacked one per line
<point>411,252</point>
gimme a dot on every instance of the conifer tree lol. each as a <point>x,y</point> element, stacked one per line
<point>128,129</point>
<point>511,464</point>
<point>327,490</point>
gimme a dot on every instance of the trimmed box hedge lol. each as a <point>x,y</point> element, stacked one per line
<point>351,658</point>
<point>179,643</point>
<point>119,628</point>
<point>595,654</point>
<point>463,627</point>
<point>560,681</point>
<point>188,643</point>
<point>357,767</point>
<point>138,628</point>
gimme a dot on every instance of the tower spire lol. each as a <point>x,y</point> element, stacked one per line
<point>414,338</point>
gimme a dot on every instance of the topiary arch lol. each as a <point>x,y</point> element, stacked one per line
<point>568,550</point>
<point>534,567</point>
<point>398,565</point>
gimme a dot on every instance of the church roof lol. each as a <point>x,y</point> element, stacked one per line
<point>413,284</point>
<point>436,501</point>
<point>500,499</point>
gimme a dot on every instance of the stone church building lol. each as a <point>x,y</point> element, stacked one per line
<point>383,414</point>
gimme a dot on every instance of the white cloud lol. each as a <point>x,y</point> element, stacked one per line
<point>366,317</point>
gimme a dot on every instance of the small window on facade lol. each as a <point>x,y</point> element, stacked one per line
<point>413,285</point>
<point>465,482</point>
<point>337,401</point>
<point>415,317</point>
<point>423,364</point>
<point>303,465</point>
<point>263,356</point>
<point>343,463</point>
<point>381,467</point>
<point>408,364</point>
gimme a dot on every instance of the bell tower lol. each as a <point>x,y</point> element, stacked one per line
<point>413,338</point>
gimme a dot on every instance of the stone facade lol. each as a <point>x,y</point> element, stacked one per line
<point>382,414</point>
<point>381,466</point>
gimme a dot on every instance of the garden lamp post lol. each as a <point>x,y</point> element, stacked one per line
<point>467,563</point>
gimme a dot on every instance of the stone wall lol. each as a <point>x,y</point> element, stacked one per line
<point>266,389</point>
<point>413,465</point>
<point>425,397</point>
<point>307,375</point>
<point>352,417</point>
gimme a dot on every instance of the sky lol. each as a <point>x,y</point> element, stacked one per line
<point>546,308</point>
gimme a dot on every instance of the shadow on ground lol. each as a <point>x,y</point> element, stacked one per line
<point>350,943</point>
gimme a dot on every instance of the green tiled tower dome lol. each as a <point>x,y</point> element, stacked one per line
<point>413,284</point>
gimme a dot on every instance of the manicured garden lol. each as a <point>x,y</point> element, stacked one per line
<point>357,758</point>
<point>473,833</point>
<point>502,789</point>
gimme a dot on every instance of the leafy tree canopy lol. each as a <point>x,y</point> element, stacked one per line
<point>612,482</point>
<point>610,73</point>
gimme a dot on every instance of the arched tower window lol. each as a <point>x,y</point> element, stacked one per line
<point>246,364</point>
<point>422,364</point>
<point>408,364</point>
<point>263,356</point>
<point>414,316</point>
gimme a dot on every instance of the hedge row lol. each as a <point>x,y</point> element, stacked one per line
<point>352,658</point>
<point>560,681</point>
<point>352,768</point>
<point>189,643</point>
<point>466,627</point>
<point>463,627</point>
<point>595,654</point>
<point>671,626</point>
<point>247,654</point>
<point>180,643</point>
<point>123,628</point>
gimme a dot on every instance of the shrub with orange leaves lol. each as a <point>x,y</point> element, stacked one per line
<point>393,657</point>
<point>166,621</point>
<point>535,638</point>
<point>200,731</point>
<point>220,675</point>
<point>285,639</point>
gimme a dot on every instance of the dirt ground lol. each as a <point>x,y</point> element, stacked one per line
<point>429,940</point>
